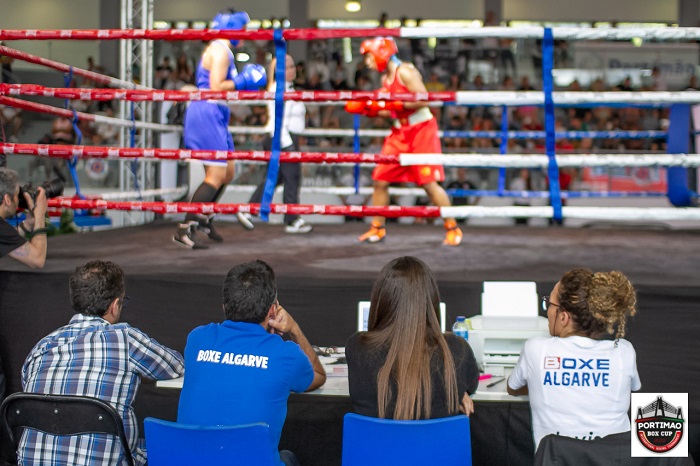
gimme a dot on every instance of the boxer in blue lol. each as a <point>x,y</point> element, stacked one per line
<point>206,122</point>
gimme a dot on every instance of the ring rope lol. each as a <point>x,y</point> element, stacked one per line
<point>420,192</point>
<point>616,134</point>
<point>558,33</point>
<point>97,77</point>
<point>452,160</point>
<point>606,213</point>
<point>466,98</point>
<point>547,98</point>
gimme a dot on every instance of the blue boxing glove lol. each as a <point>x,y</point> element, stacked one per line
<point>252,78</point>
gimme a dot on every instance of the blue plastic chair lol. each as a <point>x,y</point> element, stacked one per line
<point>174,444</point>
<point>444,441</point>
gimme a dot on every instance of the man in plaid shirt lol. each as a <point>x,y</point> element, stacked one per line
<point>94,355</point>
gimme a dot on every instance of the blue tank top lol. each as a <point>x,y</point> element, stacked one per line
<point>203,73</point>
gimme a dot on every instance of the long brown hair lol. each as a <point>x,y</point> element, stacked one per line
<point>403,319</point>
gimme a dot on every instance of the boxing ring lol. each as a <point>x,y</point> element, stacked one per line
<point>323,275</point>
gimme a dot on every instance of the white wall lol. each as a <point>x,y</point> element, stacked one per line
<point>172,10</point>
<point>371,9</point>
<point>592,10</point>
<point>52,14</point>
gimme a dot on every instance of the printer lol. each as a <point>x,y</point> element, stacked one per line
<point>509,316</point>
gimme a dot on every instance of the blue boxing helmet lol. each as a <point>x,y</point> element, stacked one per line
<point>231,20</point>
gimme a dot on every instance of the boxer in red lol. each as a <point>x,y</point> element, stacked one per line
<point>414,131</point>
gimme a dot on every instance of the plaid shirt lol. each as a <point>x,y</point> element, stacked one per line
<point>90,357</point>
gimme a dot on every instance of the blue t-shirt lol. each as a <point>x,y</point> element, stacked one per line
<point>237,373</point>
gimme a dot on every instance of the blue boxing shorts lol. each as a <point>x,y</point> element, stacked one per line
<point>206,128</point>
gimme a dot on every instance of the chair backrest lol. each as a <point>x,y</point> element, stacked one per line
<point>175,444</point>
<point>443,441</point>
<point>558,450</point>
<point>61,415</point>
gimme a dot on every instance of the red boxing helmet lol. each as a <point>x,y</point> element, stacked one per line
<point>381,48</point>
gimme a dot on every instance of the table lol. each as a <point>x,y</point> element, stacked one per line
<point>500,426</point>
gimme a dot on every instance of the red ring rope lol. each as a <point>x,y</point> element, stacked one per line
<point>209,208</point>
<point>190,34</point>
<point>139,95</point>
<point>86,152</point>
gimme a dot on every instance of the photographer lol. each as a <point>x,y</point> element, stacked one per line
<point>26,243</point>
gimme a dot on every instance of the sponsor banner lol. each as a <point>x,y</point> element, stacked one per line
<point>631,179</point>
<point>676,62</point>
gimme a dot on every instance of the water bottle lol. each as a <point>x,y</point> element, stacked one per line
<point>461,327</point>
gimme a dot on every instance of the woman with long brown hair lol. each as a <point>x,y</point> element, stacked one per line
<point>403,367</point>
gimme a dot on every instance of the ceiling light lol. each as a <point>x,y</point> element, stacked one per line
<point>353,6</point>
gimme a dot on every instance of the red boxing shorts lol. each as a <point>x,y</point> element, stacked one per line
<point>419,138</point>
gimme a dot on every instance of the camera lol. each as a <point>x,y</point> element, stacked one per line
<point>52,188</point>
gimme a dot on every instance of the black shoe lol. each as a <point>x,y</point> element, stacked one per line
<point>206,226</point>
<point>186,236</point>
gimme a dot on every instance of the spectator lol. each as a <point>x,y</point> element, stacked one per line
<point>163,72</point>
<point>11,117</point>
<point>300,80</point>
<point>6,75</point>
<point>94,355</point>
<point>183,71</point>
<point>339,76</point>
<point>403,367</point>
<point>581,400</point>
<point>320,73</point>
<point>241,371</point>
<point>434,84</point>
<point>106,133</point>
<point>29,250</point>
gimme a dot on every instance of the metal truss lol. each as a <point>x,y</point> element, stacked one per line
<point>136,65</point>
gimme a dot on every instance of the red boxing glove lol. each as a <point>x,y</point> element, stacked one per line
<point>355,106</point>
<point>376,106</point>
<point>372,108</point>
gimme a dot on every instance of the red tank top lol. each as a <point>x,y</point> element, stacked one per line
<point>396,86</point>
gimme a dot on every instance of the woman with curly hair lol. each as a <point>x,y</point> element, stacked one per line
<point>404,367</point>
<point>579,380</point>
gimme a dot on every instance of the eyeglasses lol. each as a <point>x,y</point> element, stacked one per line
<point>125,302</point>
<point>546,303</point>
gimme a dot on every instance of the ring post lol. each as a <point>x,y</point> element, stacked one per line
<point>274,163</point>
<point>679,143</point>
<point>503,149</point>
<point>549,123</point>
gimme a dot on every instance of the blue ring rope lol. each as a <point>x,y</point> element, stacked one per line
<point>557,135</point>
<point>546,194</point>
<point>503,148</point>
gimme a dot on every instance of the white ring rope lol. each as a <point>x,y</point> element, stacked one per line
<point>594,213</point>
<point>542,161</point>
<point>174,192</point>
<point>516,98</point>
<point>559,33</point>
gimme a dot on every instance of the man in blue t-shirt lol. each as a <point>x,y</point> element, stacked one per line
<point>241,371</point>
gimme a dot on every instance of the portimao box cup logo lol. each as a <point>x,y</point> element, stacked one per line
<point>659,424</point>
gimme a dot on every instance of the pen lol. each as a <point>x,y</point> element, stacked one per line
<point>484,377</point>
<point>496,382</point>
